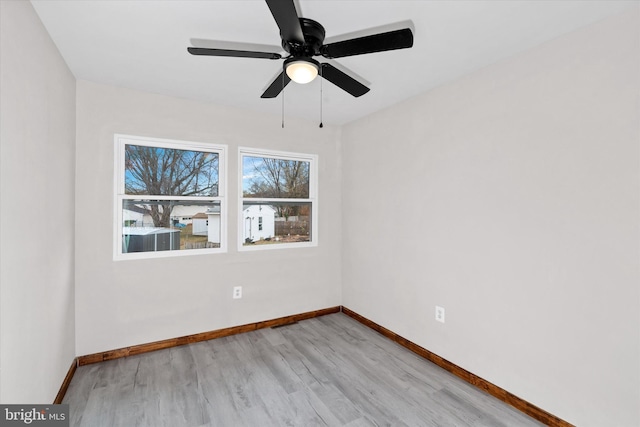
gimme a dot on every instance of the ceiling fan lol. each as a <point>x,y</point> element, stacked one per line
<point>302,39</point>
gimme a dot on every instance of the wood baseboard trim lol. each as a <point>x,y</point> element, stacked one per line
<point>204,336</point>
<point>65,383</point>
<point>498,392</point>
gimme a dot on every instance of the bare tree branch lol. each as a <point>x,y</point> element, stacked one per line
<point>158,171</point>
<point>280,178</point>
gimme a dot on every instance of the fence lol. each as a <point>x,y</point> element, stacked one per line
<point>292,228</point>
<point>200,245</point>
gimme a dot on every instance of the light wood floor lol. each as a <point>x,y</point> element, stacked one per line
<point>327,371</point>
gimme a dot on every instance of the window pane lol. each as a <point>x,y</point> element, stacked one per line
<point>163,225</point>
<point>275,178</point>
<point>275,223</point>
<point>170,172</point>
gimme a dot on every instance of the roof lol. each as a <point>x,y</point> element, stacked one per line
<point>145,231</point>
<point>136,209</point>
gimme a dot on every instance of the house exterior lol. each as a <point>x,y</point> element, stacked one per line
<point>259,222</point>
<point>138,216</point>
<point>181,214</point>
<point>133,217</point>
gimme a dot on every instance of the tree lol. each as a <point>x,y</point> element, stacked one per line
<point>154,171</point>
<point>281,179</point>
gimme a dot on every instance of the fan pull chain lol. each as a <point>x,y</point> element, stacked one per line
<point>283,100</point>
<point>321,125</point>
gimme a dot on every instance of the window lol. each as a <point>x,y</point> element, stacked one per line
<point>278,205</point>
<point>169,198</point>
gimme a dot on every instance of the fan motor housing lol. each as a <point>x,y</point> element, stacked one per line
<point>313,38</point>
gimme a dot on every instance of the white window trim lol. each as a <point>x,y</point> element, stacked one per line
<point>120,141</point>
<point>313,196</point>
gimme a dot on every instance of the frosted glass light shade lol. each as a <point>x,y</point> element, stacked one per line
<point>302,71</point>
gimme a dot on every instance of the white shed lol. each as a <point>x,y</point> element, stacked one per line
<point>213,224</point>
<point>200,224</point>
<point>207,224</point>
<point>259,222</point>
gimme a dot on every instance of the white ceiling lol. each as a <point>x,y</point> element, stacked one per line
<point>142,45</point>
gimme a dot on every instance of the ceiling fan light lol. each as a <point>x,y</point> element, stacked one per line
<point>302,70</point>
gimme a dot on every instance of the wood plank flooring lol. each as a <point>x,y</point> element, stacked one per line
<point>326,371</point>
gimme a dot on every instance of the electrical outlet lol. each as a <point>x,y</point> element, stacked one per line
<point>237,292</point>
<point>440,314</point>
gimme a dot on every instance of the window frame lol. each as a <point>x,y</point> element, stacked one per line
<point>312,199</point>
<point>120,142</point>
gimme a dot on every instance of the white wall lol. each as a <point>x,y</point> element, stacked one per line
<point>132,302</point>
<point>511,198</point>
<point>37,107</point>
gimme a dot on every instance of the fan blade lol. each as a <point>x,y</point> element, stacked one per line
<point>343,80</point>
<point>398,39</point>
<point>242,46</point>
<point>276,86</point>
<point>235,53</point>
<point>284,12</point>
